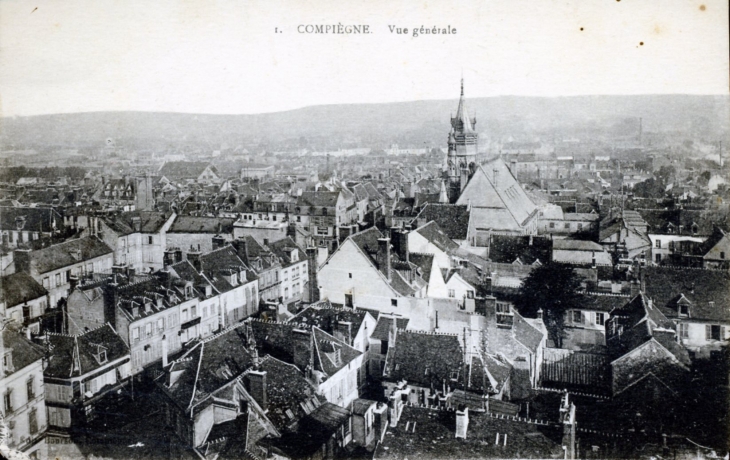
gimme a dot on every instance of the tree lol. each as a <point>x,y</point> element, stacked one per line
<point>555,288</point>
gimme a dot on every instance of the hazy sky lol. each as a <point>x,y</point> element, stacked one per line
<point>224,57</point>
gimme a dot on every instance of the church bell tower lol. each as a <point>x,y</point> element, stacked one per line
<point>462,156</point>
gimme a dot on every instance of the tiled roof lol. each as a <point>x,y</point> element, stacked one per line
<point>424,358</point>
<point>643,321</point>
<point>326,317</point>
<point>29,219</point>
<point>433,233</point>
<point>68,253</point>
<point>71,356</point>
<point>184,169</point>
<point>385,324</point>
<point>192,224</point>
<point>281,248</point>
<point>487,191</point>
<point>318,199</point>
<point>19,288</point>
<point>708,291</point>
<point>576,245</point>
<point>123,224</point>
<point>452,219</point>
<point>207,367</point>
<point>527,334</point>
<point>24,352</point>
<point>507,249</point>
<point>332,354</point>
<point>431,434</point>
<point>367,241</point>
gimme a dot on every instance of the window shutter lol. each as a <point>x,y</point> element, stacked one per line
<point>708,332</point>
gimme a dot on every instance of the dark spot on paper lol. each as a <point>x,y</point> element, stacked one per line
<point>581,29</point>
<point>37,8</point>
<point>703,7</point>
<point>641,43</point>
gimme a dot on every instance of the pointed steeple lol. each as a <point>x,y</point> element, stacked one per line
<point>463,123</point>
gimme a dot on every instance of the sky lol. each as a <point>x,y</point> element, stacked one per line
<point>225,56</point>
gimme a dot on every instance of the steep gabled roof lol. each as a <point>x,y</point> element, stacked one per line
<point>424,358</point>
<point>19,288</point>
<point>68,253</point>
<point>453,219</point>
<point>433,233</point>
<point>708,291</point>
<point>494,187</point>
<point>76,355</point>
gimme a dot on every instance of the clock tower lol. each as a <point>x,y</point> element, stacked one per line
<point>462,153</point>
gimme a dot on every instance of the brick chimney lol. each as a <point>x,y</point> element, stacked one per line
<point>567,419</point>
<point>218,242</point>
<point>241,249</point>
<point>194,258</point>
<point>21,259</point>
<point>462,422</point>
<point>256,387</point>
<point>383,256</point>
<point>400,243</point>
<point>313,289</point>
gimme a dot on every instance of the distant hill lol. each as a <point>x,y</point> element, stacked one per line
<point>374,124</point>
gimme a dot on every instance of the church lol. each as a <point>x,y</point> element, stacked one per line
<point>489,193</point>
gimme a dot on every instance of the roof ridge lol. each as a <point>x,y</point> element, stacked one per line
<point>422,332</point>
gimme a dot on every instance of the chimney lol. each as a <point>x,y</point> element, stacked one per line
<point>496,176</point>
<point>593,259</point>
<point>539,314</point>
<point>567,418</point>
<point>256,387</point>
<point>312,269</point>
<point>643,282</point>
<point>635,288</point>
<point>437,320</point>
<point>241,249</point>
<point>462,421</point>
<point>194,259</point>
<point>21,259</point>
<point>344,331</point>
<point>383,256</point>
<point>400,243</point>
<point>218,242</point>
<point>137,224</point>
<point>164,351</point>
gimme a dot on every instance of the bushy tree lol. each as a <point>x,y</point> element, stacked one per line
<point>555,288</point>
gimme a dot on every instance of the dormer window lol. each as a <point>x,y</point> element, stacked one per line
<point>101,355</point>
<point>684,311</point>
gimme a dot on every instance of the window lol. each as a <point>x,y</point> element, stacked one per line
<point>577,316</point>
<point>150,240</point>
<point>452,293</point>
<point>600,319</point>
<point>684,311</point>
<point>383,347</point>
<point>135,334</point>
<point>33,421</point>
<point>470,294</point>
<point>393,302</point>
<point>193,311</point>
<point>552,224</point>
<point>658,244</point>
<point>185,315</point>
<point>58,279</point>
<point>161,324</point>
<point>683,330</point>
<point>658,258</point>
<point>8,401</point>
<point>29,385</point>
<point>567,225</point>
<point>722,255</point>
<point>502,307</point>
<point>580,226</point>
<point>148,329</point>
<point>713,332</point>
<point>350,274</point>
